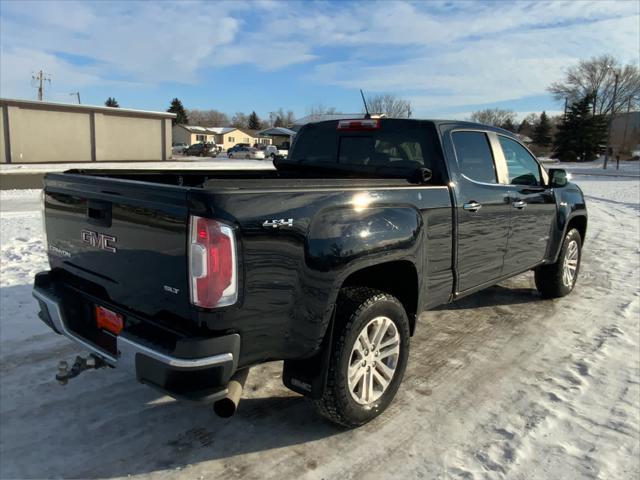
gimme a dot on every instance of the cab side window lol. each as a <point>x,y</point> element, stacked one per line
<point>474,155</point>
<point>522,168</point>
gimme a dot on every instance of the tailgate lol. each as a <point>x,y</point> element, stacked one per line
<point>124,240</point>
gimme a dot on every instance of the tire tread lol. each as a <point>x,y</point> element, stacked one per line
<point>352,301</point>
<point>548,278</point>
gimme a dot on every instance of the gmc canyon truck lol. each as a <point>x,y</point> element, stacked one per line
<point>189,278</point>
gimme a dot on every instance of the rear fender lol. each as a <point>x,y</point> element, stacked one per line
<point>347,240</point>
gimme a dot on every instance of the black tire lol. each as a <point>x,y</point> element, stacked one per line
<point>230,155</point>
<point>550,279</point>
<point>356,307</point>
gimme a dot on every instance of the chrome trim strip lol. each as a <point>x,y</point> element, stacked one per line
<point>127,348</point>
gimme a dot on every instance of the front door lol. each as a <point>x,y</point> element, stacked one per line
<point>483,211</point>
<point>533,208</point>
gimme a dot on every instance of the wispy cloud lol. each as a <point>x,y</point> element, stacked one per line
<point>439,54</point>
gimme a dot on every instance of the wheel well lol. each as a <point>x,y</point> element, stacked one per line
<point>580,224</point>
<point>399,279</point>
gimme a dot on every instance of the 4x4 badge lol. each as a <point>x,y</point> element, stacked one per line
<point>278,223</point>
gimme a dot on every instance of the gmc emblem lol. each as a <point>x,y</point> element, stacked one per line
<point>98,240</point>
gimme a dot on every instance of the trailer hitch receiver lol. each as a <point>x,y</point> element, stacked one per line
<point>81,364</point>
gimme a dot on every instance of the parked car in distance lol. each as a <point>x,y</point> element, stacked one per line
<point>198,150</point>
<point>187,279</point>
<point>178,148</point>
<point>245,152</point>
<point>273,152</point>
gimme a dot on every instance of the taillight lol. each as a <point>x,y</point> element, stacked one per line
<point>212,263</point>
<point>364,124</point>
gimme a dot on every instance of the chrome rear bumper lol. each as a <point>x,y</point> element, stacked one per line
<point>129,351</point>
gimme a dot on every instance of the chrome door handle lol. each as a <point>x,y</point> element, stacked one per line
<point>472,206</point>
<point>519,204</point>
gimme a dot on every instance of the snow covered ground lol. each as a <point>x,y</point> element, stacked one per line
<point>501,384</point>
<point>183,163</point>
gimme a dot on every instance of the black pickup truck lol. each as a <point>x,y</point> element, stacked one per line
<point>188,278</point>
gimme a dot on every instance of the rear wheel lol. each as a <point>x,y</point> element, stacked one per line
<point>558,279</point>
<point>368,357</point>
<point>230,155</point>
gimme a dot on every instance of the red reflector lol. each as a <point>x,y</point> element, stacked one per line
<point>108,320</point>
<point>366,124</point>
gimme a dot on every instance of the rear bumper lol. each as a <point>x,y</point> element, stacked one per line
<point>199,378</point>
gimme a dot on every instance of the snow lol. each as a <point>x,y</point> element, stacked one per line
<point>501,384</point>
<point>184,163</point>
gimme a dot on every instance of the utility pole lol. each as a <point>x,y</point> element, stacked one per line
<point>77,94</point>
<point>40,78</point>
<point>626,125</point>
<point>613,110</point>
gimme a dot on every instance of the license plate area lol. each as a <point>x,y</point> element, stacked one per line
<point>109,320</point>
<point>81,319</point>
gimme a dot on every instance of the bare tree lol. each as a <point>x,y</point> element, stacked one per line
<point>239,120</point>
<point>493,116</point>
<point>208,118</point>
<point>289,118</point>
<point>320,109</point>
<point>596,77</point>
<point>390,105</point>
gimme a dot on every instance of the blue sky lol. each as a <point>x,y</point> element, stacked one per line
<point>448,58</point>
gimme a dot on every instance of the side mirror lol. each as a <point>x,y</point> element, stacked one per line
<point>557,177</point>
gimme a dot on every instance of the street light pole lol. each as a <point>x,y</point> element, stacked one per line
<point>613,109</point>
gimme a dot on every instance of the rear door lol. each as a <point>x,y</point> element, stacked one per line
<point>122,240</point>
<point>482,207</point>
<point>533,207</point>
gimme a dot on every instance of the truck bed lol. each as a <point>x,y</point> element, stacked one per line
<point>238,179</point>
<point>286,276</point>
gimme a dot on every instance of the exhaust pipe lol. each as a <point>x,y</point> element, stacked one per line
<point>227,406</point>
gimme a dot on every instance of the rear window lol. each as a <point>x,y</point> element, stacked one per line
<point>474,156</point>
<point>405,144</point>
<point>384,149</point>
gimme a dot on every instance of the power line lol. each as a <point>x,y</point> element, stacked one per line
<point>40,79</point>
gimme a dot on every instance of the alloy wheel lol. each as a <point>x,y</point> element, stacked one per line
<point>570,265</point>
<point>373,360</point>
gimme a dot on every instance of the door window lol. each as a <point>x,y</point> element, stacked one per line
<point>474,155</point>
<point>522,168</point>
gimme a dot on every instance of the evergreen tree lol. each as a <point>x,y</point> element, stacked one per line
<point>278,122</point>
<point>254,121</point>
<point>508,125</point>
<point>542,131</point>
<point>525,128</point>
<point>581,135</point>
<point>181,116</point>
<point>111,102</point>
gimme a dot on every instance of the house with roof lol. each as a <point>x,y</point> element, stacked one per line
<point>225,137</point>
<point>279,136</point>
